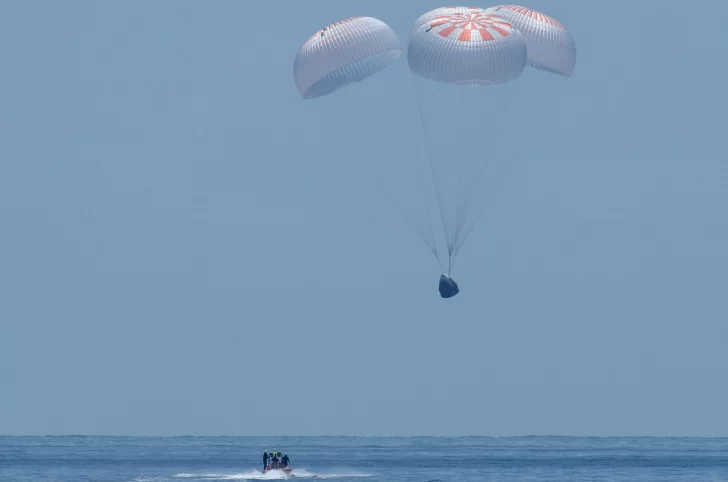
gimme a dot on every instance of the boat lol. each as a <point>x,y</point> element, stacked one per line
<point>285,470</point>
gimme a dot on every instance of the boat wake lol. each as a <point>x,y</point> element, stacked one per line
<point>296,474</point>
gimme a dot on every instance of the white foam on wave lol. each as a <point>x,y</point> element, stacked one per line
<point>273,475</point>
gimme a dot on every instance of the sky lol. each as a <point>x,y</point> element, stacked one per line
<point>188,247</point>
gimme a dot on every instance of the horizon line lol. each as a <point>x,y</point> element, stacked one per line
<point>364,436</point>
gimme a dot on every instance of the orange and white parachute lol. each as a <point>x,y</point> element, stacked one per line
<point>463,60</point>
<point>551,47</point>
<point>441,11</point>
<point>466,45</point>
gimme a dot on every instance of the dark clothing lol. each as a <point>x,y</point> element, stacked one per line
<point>265,460</point>
<point>284,460</point>
<point>448,287</point>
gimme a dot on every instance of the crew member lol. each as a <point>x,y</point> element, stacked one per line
<point>284,460</point>
<point>265,459</point>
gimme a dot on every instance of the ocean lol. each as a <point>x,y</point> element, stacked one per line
<point>364,459</point>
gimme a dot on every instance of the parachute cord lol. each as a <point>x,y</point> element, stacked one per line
<point>518,155</point>
<point>479,214</point>
<point>503,103</point>
<point>427,199</point>
<point>516,159</point>
<point>433,248</point>
<point>470,229</point>
<point>464,205</point>
<point>432,245</point>
<point>459,181</point>
<point>429,217</point>
<point>461,240</point>
<point>432,166</point>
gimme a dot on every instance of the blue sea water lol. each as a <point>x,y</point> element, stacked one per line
<point>362,459</point>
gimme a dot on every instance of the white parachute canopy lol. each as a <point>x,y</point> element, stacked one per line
<point>551,47</point>
<point>463,61</point>
<point>343,53</point>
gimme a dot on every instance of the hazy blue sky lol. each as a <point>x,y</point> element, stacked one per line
<point>168,204</point>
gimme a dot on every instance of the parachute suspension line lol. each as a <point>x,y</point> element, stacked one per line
<point>462,223</point>
<point>427,199</point>
<point>429,216</point>
<point>461,210</point>
<point>432,165</point>
<point>432,172</point>
<point>452,236</point>
<point>467,179</point>
<point>464,229</point>
<point>430,244</point>
<point>466,233</point>
<point>479,214</point>
<point>481,211</point>
<point>472,226</point>
<point>433,243</point>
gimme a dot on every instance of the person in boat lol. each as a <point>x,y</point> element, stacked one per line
<point>265,459</point>
<point>285,461</point>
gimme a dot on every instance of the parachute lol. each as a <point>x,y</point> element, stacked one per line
<point>438,12</point>
<point>344,53</point>
<point>551,47</point>
<point>468,47</point>
<point>463,63</point>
